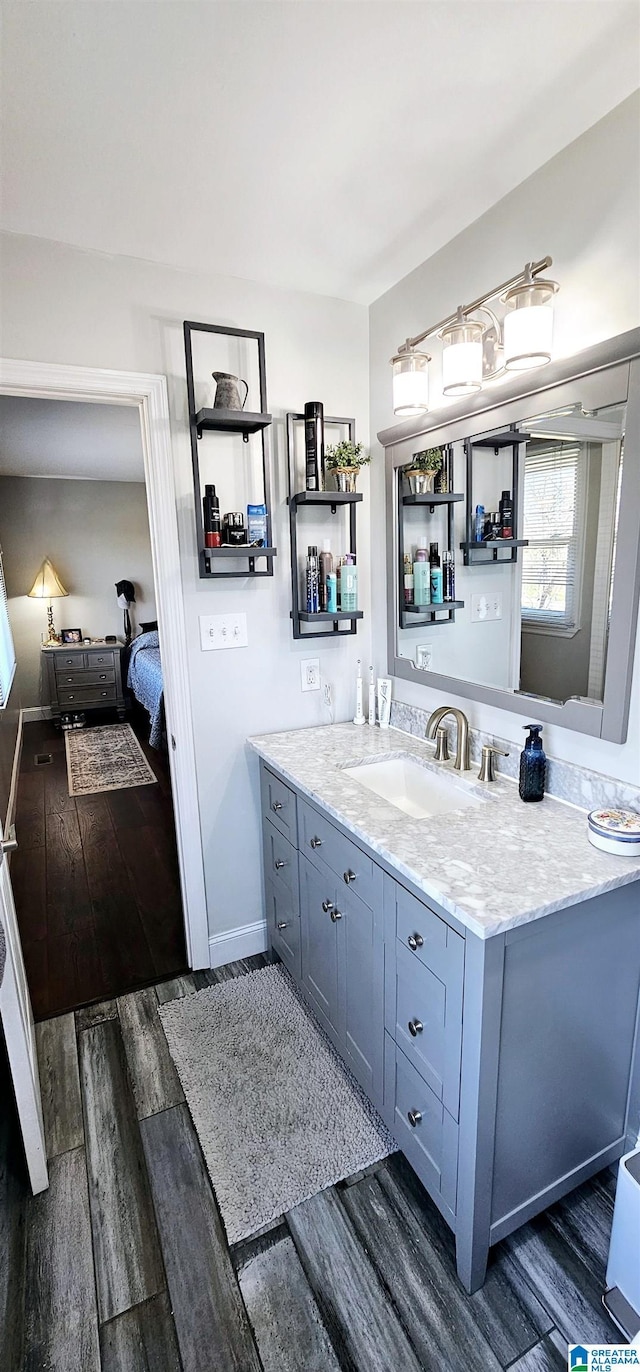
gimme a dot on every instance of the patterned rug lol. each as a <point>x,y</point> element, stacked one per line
<point>108,758</point>
<point>278,1115</point>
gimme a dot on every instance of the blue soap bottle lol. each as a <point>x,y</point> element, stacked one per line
<point>533,765</point>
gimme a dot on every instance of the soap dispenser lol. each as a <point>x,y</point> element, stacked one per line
<point>533,765</point>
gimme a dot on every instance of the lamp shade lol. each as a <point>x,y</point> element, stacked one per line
<point>47,584</point>
<point>528,325</point>
<point>410,382</point>
<point>462,356</point>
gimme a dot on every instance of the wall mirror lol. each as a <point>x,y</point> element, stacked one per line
<point>536,508</point>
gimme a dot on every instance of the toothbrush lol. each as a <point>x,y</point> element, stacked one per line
<point>359,718</point>
<point>372,698</point>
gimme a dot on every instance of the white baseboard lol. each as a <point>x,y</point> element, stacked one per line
<point>36,712</point>
<point>244,942</point>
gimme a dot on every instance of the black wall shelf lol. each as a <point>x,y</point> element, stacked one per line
<point>333,500</point>
<point>510,438</point>
<point>433,498</point>
<point>412,616</point>
<point>211,561</point>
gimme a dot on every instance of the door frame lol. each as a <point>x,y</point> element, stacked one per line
<point>148,392</point>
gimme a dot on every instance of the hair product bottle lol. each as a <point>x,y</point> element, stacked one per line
<point>421,582</point>
<point>312,580</point>
<point>326,567</point>
<point>449,576</point>
<point>408,580</point>
<point>314,445</point>
<point>211,517</point>
<point>533,765</point>
<point>332,592</point>
<point>435,575</point>
<point>506,515</point>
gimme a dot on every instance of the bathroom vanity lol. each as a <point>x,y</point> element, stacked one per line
<point>478,970</point>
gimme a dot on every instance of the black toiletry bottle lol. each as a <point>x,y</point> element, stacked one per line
<point>533,765</point>
<point>212,521</point>
<point>314,445</point>
<point>506,515</point>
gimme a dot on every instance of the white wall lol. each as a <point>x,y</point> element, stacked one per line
<point>64,305</point>
<point>583,208</point>
<point>95,533</point>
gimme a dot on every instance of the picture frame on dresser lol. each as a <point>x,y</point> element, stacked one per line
<point>70,636</point>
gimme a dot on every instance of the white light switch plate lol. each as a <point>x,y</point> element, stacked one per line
<point>223,631</point>
<point>486,607</point>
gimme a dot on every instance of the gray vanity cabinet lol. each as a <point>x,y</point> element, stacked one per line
<point>319,944</point>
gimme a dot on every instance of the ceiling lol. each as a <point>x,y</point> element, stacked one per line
<point>321,145</point>
<point>64,438</point>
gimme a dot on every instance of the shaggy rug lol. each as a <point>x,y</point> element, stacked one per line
<point>278,1115</point>
<point>108,758</point>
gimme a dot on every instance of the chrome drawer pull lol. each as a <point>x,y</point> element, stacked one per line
<point>279,864</point>
<point>282,924</point>
<point>414,1117</point>
<point>327,905</point>
<point>277,805</point>
<point>315,842</point>
<point>415,941</point>
<point>415,1027</point>
<point>348,876</point>
<point>336,915</point>
<point>103,676</point>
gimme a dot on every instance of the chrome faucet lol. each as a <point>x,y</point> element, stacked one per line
<point>462,762</point>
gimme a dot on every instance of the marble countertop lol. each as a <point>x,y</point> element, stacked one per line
<point>494,866</point>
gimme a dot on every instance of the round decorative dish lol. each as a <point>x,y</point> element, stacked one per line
<point>615,831</point>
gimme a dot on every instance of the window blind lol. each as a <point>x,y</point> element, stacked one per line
<point>554,496</point>
<point>7,651</point>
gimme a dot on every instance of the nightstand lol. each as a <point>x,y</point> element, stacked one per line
<point>86,677</point>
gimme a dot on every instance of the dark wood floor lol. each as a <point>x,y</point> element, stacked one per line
<point>95,880</point>
<point>123,1265</point>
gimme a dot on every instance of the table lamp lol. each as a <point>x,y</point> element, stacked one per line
<point>47,586</point>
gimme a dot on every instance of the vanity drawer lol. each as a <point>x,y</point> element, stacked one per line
<point>429,939</point>
<point>100,657</point>
<point>279,805</point>
<point>64,661</point>
<point>426,1017</point>
<point>431,1142</point>
<point>85,677</point>
<point>86,695</point>
<point>323,843</point>
<point>280,859</point>
<point>283,926</point>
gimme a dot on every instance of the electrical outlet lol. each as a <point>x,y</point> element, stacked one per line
<point>310,674</point>
<point>485,608</point>
<point>223,631</point>
<point>424,657</point>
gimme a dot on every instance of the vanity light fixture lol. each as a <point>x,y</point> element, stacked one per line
<point>473,351</point>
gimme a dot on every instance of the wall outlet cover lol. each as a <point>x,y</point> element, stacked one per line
<point>310,674</point>
<point>424,657</point>
<point>223,631</point>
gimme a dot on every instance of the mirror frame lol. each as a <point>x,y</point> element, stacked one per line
<point>497,408</point>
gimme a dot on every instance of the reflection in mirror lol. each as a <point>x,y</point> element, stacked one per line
<point>537,624</point>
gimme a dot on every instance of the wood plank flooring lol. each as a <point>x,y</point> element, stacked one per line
<point>123,1265</point>
<point>95,880</point>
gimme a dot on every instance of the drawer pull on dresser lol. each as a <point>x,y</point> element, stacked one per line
<point>315,842</point>
<point>282,924</point>
<point>279,864</point>
<point>414,1117</point>
<point>415,1027</point>
<point>336,915</point>
<point>415,941</point>
<point>277,805</point>
<point>348,876</point>
<point>327,905</point>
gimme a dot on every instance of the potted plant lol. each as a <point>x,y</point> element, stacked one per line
<point>345,460</point>
<point>421,470</point>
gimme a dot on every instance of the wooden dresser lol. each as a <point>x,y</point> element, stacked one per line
<point>86,677</point>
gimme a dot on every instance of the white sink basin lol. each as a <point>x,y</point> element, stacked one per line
<point>413,788</point>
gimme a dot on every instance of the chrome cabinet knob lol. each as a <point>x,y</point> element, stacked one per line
<point>414,1117</point>
<point>336,915</point>
<point>279,864</point>
<point>327,905</point>
<point>415,941</point>
<point>282,924</point>
<point>315,842</point>
<point>277,805</point>
<point>415,1027</point>
<point>348,877</point>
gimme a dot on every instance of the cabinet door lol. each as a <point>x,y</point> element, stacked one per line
<point>283,926</point>
<point>319,946</point>
<point>360,969</point>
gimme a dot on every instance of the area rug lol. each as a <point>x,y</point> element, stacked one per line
<point>107,758</point>
<point>278,1116</point>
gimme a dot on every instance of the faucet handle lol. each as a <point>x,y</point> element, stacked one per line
<point>486,772</point>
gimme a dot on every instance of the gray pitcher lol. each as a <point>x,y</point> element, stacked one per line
<point>227,396</point>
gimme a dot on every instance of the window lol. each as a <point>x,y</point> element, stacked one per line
<point>7,651</point>
<point>554,506</point>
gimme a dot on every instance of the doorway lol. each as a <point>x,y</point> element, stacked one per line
<point>145,845</point>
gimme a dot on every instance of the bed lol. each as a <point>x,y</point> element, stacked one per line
<point>144,679</point>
